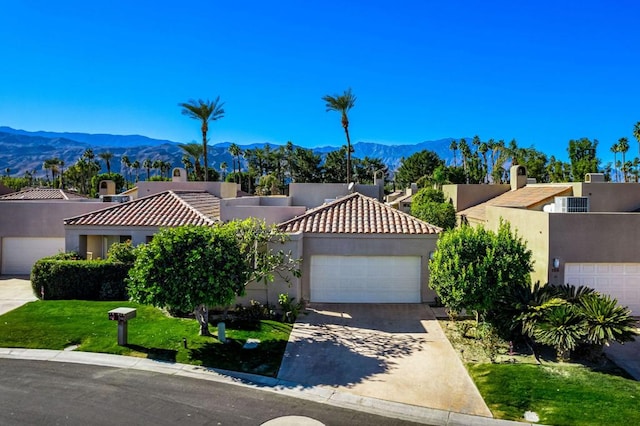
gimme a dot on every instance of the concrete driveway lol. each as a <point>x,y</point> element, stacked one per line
<point>14,292</point>
<point>395,352</point>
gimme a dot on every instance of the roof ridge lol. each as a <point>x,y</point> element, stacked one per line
<point>192,208</point>
<point>118,205</point>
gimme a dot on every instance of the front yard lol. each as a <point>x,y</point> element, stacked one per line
<point>152,334</point>
<point>558,393</point>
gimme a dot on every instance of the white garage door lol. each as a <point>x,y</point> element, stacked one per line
<point>19,254</point>
<point>619,280</point>
<point>365,279</point>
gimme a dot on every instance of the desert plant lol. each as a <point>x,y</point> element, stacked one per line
<point>606,320</point>
<point>561,327</point>
<point>290,308</point>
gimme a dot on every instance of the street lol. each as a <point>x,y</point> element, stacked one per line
<point>53,393</point>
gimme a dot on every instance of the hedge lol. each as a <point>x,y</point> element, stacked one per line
<point>79,279</point>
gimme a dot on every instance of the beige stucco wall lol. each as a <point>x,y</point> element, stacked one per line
<point>314,194</point>
<point>76,237</point>
<point>533,227</point>
<point>270,214</point>
<point>610,197</point>
<point>41,218</point>
<point>593,237</point>
<point>369,245</point>
<point>465,196</point>
<point>270,292</point>
<point>219,189</point>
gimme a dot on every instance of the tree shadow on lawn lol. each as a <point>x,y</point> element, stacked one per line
<point>264,359</point>
<point>158,354</point>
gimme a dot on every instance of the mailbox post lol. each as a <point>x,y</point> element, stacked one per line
<point>122,315</point>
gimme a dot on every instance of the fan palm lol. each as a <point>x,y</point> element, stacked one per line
<point>636,134</point>
<point>342,104</point>
<point>205,111</point>
<point>623,146</point>
<point>107,156</point>
<point>195,151</point>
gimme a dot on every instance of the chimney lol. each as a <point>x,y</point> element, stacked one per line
<point>179,175</point>
<point>518,177</point>
<point>594,178</point>
<point>107,187</point>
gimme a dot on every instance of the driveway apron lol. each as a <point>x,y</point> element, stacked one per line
<point>394,352</point>
<point>14,292</point>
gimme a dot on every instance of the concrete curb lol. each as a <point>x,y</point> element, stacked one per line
<point>317,394</point>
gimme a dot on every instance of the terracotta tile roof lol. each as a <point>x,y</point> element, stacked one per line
<point>523,198</point>
<point>43,194</point>
<point>165,209</point>
<point>357,214</point>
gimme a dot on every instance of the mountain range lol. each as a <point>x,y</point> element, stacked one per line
<point>22,151</point>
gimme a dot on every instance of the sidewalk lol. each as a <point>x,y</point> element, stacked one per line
<point>407,412</point>
<point>14,292</point>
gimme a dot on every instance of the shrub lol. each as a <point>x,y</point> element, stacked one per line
<point>122,252</point>
<point>290,309</point>
<point>79,279</point>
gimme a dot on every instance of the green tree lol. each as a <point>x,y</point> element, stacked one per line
<point>582,154</point>
<point>416,166</point>
<point>334,167</point>
<point>429,205</point>
<point>636,134</point>
<point>204,111</point>
<point>189,268</point>
<point>115,177</point>
<point>236,152</point>
<point>472,268</point>
<point>453,146</point>
<point>343,104</point>
<point>304,166</point>
<point>615,148</point>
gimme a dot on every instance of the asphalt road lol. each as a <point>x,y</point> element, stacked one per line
<point>53,393</point>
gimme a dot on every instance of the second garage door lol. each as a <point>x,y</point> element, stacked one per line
<point>19,254</point>
<point>619,280</point>
<point>365,279</point>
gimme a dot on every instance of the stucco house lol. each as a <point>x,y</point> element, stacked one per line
<point>32,225</point>
<point>581,233</point>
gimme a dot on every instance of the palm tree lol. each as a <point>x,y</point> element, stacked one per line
<point>636,134</point>
<point>147,164</point>
<point>136,167</point>
<point>453,146</point>
<point>342,104</point>
<point>127,165</point>
<point>195,151</point>
<point>107,156</point>
<point>204,111</point>
<point>223,169</point>
<point>615,149</point>
<point>623,146</point>
<point>236,152</point>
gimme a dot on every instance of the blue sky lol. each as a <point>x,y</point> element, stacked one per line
<point>542,72</point>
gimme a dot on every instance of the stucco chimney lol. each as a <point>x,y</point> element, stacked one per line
<point>179,175</point>
<point>518,175</point>
<point>107,187</point>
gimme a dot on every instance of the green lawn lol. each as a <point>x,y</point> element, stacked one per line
<point>560,394</point>
<point>152,334</point>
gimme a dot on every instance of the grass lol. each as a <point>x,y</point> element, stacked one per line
<point>152,334</point>
<point>559,393</point>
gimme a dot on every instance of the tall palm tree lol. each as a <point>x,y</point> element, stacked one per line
<point>615,149</point>
<point>342,104</point>
<point>136,167</point>
<point>205,111</point>
<point>195,151</point>
<point>636,134</point>
<point>453,146</point>
<point>236,152</point>
<point>107,156</point>
<point>223,169</point>
<point>147,164</point>
<point>127,166</point>
<point>623,146</point>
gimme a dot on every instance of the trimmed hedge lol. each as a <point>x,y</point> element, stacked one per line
<point>79,279</point>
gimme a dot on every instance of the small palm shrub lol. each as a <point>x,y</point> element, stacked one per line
<point>562,327</point>
<point>606,320</point>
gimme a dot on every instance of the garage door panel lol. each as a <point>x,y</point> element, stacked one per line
<point>618,280</point>
<point>19,254</point>
<point>365,279</point>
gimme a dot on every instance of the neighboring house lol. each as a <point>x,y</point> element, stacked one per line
<point>401,200</point>
<point>32,225</point>
<point>581,233</point>
<point>357,249</point>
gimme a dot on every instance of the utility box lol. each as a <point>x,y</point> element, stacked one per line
<point>122,315</point>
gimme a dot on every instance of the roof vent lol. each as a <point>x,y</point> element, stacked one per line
<point>571,204</point>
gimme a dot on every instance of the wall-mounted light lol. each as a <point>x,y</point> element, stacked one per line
<point>431,254</point>
<point>556,262</point>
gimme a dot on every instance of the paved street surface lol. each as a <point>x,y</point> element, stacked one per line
<point>395,352</point>
<point>49,393</point>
